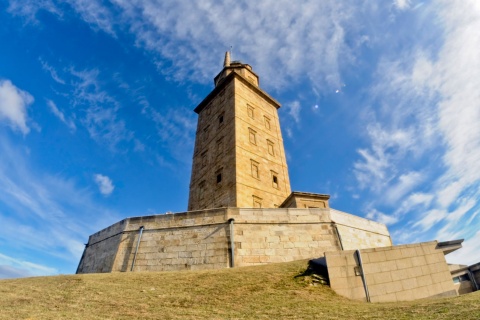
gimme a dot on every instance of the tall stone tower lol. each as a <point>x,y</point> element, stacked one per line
<point>239,158</point>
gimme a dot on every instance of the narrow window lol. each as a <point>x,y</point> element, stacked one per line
<point>267,123</point>
<point>255,172</point>
<point>274,179</point>
<point>219,147</point>
<point>220,119</point>
<point>250,111</point>
<point>205,133</point>
<point>204,159</point>
<point>271,150</point>
<point>257,202</point>
<point>218,175</point>
<point>201,190</point>
<point>252,136</point>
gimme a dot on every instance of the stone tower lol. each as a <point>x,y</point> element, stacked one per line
<point>239,158</point>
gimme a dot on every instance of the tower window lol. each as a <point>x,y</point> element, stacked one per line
<point>252,136</point>
<point>274,179</point>
<point>250,111</point>
<point>205,133</point>
<point>204,159</point>
<point>218,175</point>
<point>267,123</point>
<point>257,202</point>
<point>219,147</point>
<point>255,172</point>
<point>271,150</point>
<point>220,119</point>
<point>201,190</point>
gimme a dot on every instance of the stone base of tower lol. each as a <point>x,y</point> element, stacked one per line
<point>227,237</point>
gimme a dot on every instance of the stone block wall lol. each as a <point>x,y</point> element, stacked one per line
<point>357,232</point>
<point>398,273</point>
<point>202,239</point>
<point>269,162</point>
<point>101,250</point>
<point>279,235</point>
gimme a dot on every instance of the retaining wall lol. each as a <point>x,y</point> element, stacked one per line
<point>202,239</point>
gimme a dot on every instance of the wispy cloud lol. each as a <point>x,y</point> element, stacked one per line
<point>172,126</point>
<point>43,213</point>
<point>469,252</point>
<point>381,217</point>
<point>52,71</point>
<point>426,121</point>
<point>294,110</point>
<point>59,114</point>
<point>13,106</point>
<point>29,9</point>
<point>402,4</point>
<point>16,268</point>
<point>104,183</point>
<point>306,39</point>
<point>100,118</point>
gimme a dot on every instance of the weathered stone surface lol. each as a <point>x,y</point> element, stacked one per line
<point>394,273</point>
<point>189,241</point>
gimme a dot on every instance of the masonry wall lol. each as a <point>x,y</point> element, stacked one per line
<point>398,273</point>
<point>280,235</point>
<point>250,186</point>
<point>202,239</point>
<point>357,232</point>
<point>181,241</point>
<point>101,250</point>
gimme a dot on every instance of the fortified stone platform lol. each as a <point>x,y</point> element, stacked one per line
<point>226,237</point>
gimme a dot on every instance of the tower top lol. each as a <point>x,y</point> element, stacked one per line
<point>226,62</point>
<point>243,69</point>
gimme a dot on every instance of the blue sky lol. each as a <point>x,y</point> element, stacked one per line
<point>380,109</point>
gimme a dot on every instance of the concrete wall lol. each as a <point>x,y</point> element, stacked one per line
<point>398,273</point>
<point>201,239</point>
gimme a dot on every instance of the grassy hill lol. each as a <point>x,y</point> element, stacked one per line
<point>263,292</point>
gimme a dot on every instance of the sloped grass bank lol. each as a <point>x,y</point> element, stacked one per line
<point>262,292</point>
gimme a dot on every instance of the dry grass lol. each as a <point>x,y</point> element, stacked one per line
<point>268,292</point>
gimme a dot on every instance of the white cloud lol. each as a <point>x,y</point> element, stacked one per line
<point>304,40</point>
<point>13,105</point>
<point>469,253</point>
<point>52,71</point>
<point>100,119</point>
<point>428,94</point>
<point>104,183</point>
<point>402,4</point>
<point>59,114</point>
<point>406,182</point>
<point>430,218</point>
<point>29,9</point>
<point>381,217</point>
<point>418,200</point>
<point>52,215</point>
<point>15,268</point>
<point>294,110</point>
